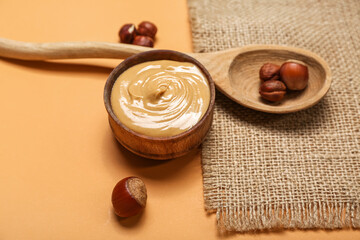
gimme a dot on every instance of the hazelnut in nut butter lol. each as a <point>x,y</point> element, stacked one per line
<point>160,98</point>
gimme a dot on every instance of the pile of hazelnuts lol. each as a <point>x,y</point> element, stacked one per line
<point>276,80</point>
<point>143,35</point>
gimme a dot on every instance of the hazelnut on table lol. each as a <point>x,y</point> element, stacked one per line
<point>147,28</point>
<point>143,41</point>
<point>129,197</point>
<point>143,36</point>
<point>127,33</point>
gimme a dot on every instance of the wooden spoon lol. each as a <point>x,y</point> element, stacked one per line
<point>234,71</point>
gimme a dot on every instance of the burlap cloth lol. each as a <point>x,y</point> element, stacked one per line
<point>299,170</point>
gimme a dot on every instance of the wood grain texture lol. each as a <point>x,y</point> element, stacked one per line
<point>66,50</point>
<point>236,74</point>
<point>159,147</point>
<point>235,71</point>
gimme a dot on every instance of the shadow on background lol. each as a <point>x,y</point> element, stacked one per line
<point>118,157</point>
<point>129,222</point>
<point>60,66</point>
<point>308,119</point>
<point>154,169</point>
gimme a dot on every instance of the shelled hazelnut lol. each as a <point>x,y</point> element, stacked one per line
<point>269,71</point>
<point>273,90</point>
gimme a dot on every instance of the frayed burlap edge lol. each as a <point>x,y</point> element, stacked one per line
<point>289,216</point>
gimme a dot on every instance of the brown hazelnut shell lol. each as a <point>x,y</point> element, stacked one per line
<point>129,197</point>
<point>146,28</point>
<point>294,75</point>
<point>127,33</point>
<point>143,41</point>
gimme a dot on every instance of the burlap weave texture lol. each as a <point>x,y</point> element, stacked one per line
<point>298,170</point>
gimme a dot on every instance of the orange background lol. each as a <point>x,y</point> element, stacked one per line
<point>59,161</point>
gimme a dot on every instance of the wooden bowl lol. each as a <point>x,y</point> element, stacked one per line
<point>160,148</point>
<point>244,78</point>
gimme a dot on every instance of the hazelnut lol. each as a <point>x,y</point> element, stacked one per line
<point>273,90</point>
<point>146,28</point>
<point>269,71</point>
<point>143,41</point>
<point>127,33</point>
<point>129,197</point>
<point>294,75</point>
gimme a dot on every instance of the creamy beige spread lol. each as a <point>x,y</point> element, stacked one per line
<point>160,98</point>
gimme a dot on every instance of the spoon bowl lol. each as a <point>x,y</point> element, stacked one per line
<point>240,82</point>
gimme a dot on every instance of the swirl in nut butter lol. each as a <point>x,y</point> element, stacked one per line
<point>160,98</point>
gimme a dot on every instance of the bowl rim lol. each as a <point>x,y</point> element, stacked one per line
<point>146,57</point>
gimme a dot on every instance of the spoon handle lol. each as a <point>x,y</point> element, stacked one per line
<point>66,50</point>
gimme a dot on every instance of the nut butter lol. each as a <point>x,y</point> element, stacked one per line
<point>160,98</point>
